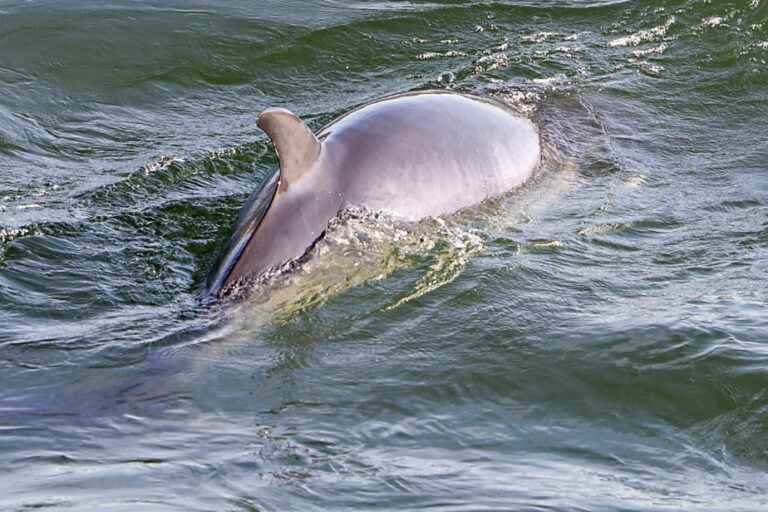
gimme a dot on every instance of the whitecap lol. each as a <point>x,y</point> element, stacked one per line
<point>652,34</point>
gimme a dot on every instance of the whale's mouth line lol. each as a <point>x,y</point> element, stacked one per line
<point>252,215</point>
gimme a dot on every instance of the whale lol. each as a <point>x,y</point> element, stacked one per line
<point>413,155</point>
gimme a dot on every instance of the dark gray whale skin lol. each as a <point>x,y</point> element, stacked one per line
<point>415,155</point>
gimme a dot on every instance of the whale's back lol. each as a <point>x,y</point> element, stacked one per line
<point>422,155</point>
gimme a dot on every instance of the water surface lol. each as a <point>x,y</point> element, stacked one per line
<point>593,341</point>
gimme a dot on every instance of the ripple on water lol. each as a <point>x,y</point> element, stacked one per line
<point>595,337</point>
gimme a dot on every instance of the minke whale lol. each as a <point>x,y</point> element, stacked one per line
<point>414,155</point>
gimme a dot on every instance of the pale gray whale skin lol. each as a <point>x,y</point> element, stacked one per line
<point>414,155</point>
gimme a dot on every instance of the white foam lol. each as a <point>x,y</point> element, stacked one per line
<point>569,49</point>
<point>656,50</point>
<point>491,62</point>
<point>652,34</point>
<point>437,55</point>
<point>8,234</point>
<point>552,80</point>
<point>161,164</point>
<point>362,246</point>
<point>712,21</point>
<point>540,37</point>
<point>652,69</point>
<point>524,102</point>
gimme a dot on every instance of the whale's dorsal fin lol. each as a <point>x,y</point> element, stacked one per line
<point>297,147</point>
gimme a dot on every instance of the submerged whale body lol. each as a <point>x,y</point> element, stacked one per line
<point>415,155</point>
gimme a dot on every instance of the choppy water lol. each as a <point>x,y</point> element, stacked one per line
<point>595,341</point>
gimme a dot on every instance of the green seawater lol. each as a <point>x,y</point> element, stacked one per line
<point>596,340</point>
